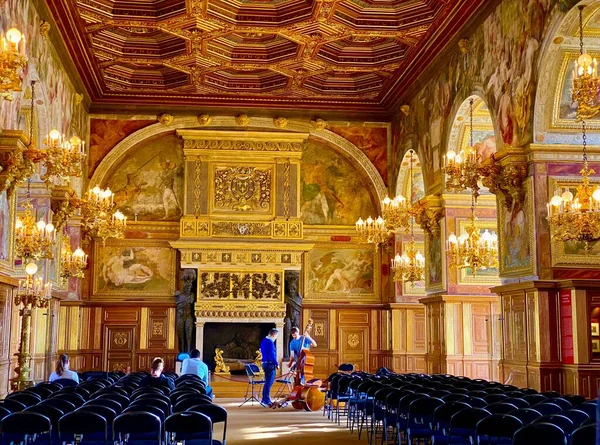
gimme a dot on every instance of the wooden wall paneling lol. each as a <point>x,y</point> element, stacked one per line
<point>119,347</point>
<point>6,309</point>
<point>354,341</point>
<point>157,328</point>
<point>321,335</point>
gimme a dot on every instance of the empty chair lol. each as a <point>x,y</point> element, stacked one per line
<point>148,409</point>
<point>64,405</point>
<point>574,399</point>
<point>51,412</point>
<point>65,382</point>
<point>142,404</point>
<point>115,406</point>
<point>17,427</point>
<point>41,391</point>
<point>576,416</point>
<point>497,429</point>
<point>138,426</point>
<point>93,427</point>
<point>519,403</point>
<point>121,399</point>
<point>106,412</point>
<point>27,399</point>
<point>191,401</point>
<point>550,394</point>
<point>559,420</point>
<point>542,433</point>
<point>527,415</point>
<point>453,397</point>
<point>547,408</point>
<point>14,406</point>
<point>217,414</point>
<point>464,423</point>
<point>588,408</point>
<point>190,426</point>
<point>72,397</point>
<point>494,398</point>
<point>475,402</point>
<point>584,435</point>
<point>500,408</point>
<point>563,403</point>
<point>534,399</point>
<point>53,387</point>
<point>420,417</point>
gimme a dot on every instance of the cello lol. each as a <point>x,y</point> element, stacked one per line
<point>306,394</point>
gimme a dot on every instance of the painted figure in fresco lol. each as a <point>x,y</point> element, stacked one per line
<point>185,310</point>
<point>168,175</point>
<point>122,269</point>
<point>350,275</point>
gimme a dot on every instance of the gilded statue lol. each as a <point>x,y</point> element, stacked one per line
<point>220,366</point>
<point>258,360</point>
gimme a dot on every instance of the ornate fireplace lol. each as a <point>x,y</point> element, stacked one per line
<point>241,228</point>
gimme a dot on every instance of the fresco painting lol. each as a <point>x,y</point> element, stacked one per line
<point>340,271</point>
<point>5,227</point>
<point>148,181</point>
<point>333,191</point>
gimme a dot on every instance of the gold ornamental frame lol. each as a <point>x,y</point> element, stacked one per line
<point>101,294</point>
<point>7,264</point>
<point>331,297</point>
<point>521,271</point>
<point>436,287</point>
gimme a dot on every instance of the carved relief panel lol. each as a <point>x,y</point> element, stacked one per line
<point>242,189</point>
<point>240,286</point>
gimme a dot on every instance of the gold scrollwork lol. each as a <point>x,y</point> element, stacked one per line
<point>120,339</point>
<point>240,285</point>
<point>202,144</point>
<point>242,188</point>
<point>353,340</point>
<point>286,188</point>
<point>157,328</point>
<point>197,186</point>
<point>241,228</point>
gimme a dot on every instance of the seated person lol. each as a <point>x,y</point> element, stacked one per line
<point>194,365</point>
<point>156,377</point>
<point>62,370</point>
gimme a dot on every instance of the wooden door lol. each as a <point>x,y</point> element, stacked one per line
<point>354,346</point>
<point>119,347</point>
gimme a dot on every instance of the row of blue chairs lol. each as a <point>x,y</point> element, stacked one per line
<point>444,409</point>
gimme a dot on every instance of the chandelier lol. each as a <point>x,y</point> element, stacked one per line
<point>97,220</point>
<point>585,79</point>
<point>464,169</point>
<point>576,218</point>
<point>372,231</point>
<point>33,240</point>
<point>72,264</point>
<point>473,249</point>
<point>12,61</point>
<point>396,212</point>
<point>32,291</point>
<point>63,158</point>
<point>410,266</point>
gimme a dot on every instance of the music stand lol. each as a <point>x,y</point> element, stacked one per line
<point>254,378</point>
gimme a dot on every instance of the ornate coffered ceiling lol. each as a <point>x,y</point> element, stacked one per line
<point>317,54</point>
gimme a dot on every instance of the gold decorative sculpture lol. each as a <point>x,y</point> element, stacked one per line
<point>280,122</point>
<point>318,124</point>
<point>242,119</point>
<point>258,360</point>
<point>221,367</point>
<point>165,119</point>
<point>204,119</point>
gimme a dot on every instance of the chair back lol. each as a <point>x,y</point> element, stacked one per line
<point>25,423</point>
<point>564,423</point>
<point>149,409</point>
<point>65,382</point>
<point>72,397</point>
<point>42,392</point>
<point>119,398</point>
<point>576,416</point>
<point>51,412</point>
<point>27,399</point>
<point>106,412</point>
<point>3,412</point>
<point>252,371</point>
<point>14,406</point>
<point>542,432</point>
<point>584,435</point>
<point>64,405</point>
<point>138,424</point>
<point>82,422</point>
<point>115,406</point>
<point>526,415</point>
<point>500,408</point>
<point>496,426</point>
<point>191,401</point>
<point>216,413</point>
<point>547,408</point>
<point>188,425</point>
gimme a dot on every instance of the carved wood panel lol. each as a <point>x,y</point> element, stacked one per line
<point>354,346</point>
<point>480,331</point>
<point>119,347</point>
<point>157,328</point>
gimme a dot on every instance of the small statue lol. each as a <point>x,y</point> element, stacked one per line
<point>220,366</point>
<point>185,310</point>
<point>258,360</point>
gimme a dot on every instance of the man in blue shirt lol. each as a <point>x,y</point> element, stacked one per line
<point>270,364</point>
<point>194,365</point>
<point>297,344</point>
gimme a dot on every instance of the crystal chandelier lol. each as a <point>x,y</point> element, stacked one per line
<point>63,158</point>
<point>32,291</point>
<point>464,169</point>
<point>396,212</point>
<point>473,249</point>
<point>97,220</point>
<point>410,266</point>
<point>585,79</point>
<point>72,264</point>
<point>33,240</point>
<point>372,231</point>
<point>12,61</point>
<point>576,218</point>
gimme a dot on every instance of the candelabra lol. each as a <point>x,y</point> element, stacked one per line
<point>12,62</point>
<point>372,231</point>
<point>33,240</point>
<point>410,266</point>
<point>464,169</point>
<point>32,293</point>
<point>396,212</point>
<point>97,221</point>
<point>63,158</point>
<point>585,80</point>
<point>473,249</point>
<point>72,264</point>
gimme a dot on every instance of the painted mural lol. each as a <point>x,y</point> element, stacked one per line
<point>130,268</point>
<point>148,181</point>
<point>501,62</point>
<point>434,273</point>
<point>333,191</point>
<point>56,94</point>
<point>106,133</point>
<point>339,272</point>
<point>5,220</point>
<point>372,141</point>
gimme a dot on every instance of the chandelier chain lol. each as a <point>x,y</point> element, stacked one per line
<point>581,29</point>
<point>471,121</point>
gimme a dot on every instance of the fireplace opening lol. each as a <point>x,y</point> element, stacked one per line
<point>239,342</point>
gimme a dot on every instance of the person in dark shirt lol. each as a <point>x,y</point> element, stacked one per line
<point>270,364</point>
<point>156,377</point>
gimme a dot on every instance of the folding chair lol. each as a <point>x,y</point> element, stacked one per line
<point>286,384</point>
<point>254,379</point>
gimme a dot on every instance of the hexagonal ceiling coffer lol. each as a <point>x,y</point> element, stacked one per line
<point>253,48</point>
<point>134,9</point>
<point>363,51</point>
<point>262,12</point>
<point>144,77</point>
<point>257,81</point>
<point>122,42</point>
<point>395,15</point>
<point>342,84</point>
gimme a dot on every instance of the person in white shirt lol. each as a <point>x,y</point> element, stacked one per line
<point>62,370</point>
<point>194,365</point>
